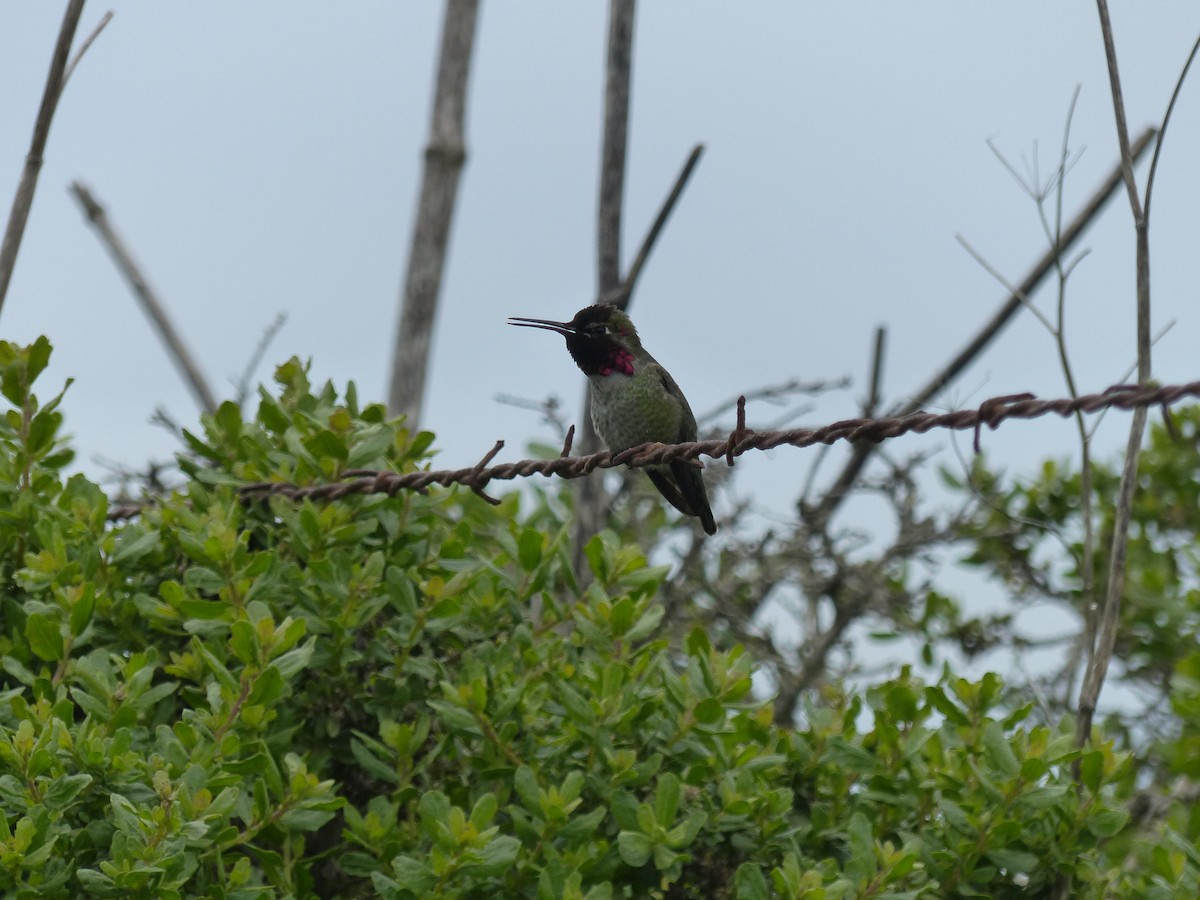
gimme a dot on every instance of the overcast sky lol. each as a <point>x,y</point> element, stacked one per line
<point>265,158</point>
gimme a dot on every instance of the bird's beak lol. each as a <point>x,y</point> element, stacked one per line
<point>560,327</point>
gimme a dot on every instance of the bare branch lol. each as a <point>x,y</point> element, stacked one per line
<point>1110,614</point>
<point>83,48</point>
<point>625,291</point>
<point>612,154</point>
<point>445,155</point>
<point>242,387</point>
<point>1093,680</point>
<point>146,295</point>
<point>774,393</point>
<point>1114,81</point>
<point>23,199</point>
<point>1162,129</point>
<point>1004,283</point>
<point>988,332</point>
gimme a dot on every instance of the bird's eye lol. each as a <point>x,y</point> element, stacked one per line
<point>598,328</point>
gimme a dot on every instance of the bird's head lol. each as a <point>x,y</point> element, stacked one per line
<point>601,339</point>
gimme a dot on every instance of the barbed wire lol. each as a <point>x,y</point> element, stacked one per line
<point>741,440</point>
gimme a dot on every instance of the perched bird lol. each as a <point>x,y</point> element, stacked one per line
<point>634,399</point>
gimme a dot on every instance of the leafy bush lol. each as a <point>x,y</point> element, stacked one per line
<point>412,696</point>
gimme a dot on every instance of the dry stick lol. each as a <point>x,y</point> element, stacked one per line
<point>151,305</point>
<point>444,158</point>
<point>23,200</point>
<point>591,502</point>
<point>612,159</point>
<point>976,345</point>
<point>1097,670</point>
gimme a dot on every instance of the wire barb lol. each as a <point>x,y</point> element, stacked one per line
<point>740,433</point>
<point>991,412</point>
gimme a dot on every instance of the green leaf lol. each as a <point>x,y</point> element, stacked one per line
<point>372,764</point>
<point>64,789</point>
<point>1091,770</point>
<point>132,546</point>
<point>862,845</point>
<point>243,639</point>
<point>435,811</point>
<point>483,811</point>
<point>635,848</point>
<point>1107,822</point>
<point>666,800</point>
<point>698,643</point>
<point>228,418</point>
<point>646,625</point>
<point>416,876</point>
<point>749,883</point>
<point>709,711</point>
<point>372,446</point>
<point>81,612</point>
<point>529,549</point>
<point>936,697</point>
<point>1013,861</point>
<point>306,819</point>
<point>525,783</point>
<point>998,752</point>
<point>327,445</point>
<point>39,357</point>
<point>45,638</point>
<point>499,854</point>
<point>419,444</point>
<point>582,826</point>
<point>850,756</point>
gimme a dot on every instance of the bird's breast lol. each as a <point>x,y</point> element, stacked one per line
<point>628,410</point>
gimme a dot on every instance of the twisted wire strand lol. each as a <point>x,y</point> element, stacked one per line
<point>741,440</point>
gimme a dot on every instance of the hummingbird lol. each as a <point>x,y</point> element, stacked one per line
<point>634,399</point>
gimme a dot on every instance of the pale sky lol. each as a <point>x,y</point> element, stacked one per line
<point>261,158</point>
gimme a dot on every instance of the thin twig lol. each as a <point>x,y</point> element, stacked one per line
<point>871,407</point>
<point>1114,83</point>
<point>774,393</point>
<point>242,387</point>
<point>1162,129</point>
<point>1110,614</point>
<point>858,459</point>
<point>151,305</point>
<point>83,48</point>
<point>1004,283</point>
<point>23,199</point>
<point>1087,587</point>
<point>623,293</point>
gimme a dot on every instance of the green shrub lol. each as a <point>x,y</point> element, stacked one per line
<point>411,696</point>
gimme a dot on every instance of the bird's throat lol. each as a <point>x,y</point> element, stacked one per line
<point>619,362</point>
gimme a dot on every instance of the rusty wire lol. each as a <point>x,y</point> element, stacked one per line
<point>742,439</point>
